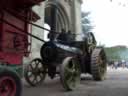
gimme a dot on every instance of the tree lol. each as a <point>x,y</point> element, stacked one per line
<point>86,22</point>
<point>117,53</point>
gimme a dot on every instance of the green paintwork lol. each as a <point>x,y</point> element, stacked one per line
<point>16,68</point>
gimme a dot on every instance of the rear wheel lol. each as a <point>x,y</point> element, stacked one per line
<point>35,72</point>
<point>70,73</point>
<point>98,64</point>
<point>10,83</point>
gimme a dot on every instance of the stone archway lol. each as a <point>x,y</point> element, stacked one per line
<point>62,19</point>
<point>68,15</point>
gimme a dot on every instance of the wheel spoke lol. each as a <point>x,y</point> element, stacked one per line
<point>71,82</point>
<point>30,75</point>
<point>68,70</point>
<point>36,65</point>
<point>74,64</point>
<point>38,78</point>
<point>35,80</point>
<point>31,66</point>
<point>41,76</point>
<point>40,65</point>
<point>37,61</point>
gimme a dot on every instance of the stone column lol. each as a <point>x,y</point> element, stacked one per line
<point>76,18</point>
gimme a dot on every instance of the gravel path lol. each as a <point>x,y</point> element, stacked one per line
<point>116,84</point>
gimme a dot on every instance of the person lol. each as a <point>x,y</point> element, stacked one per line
<point>69,36</point>
<point>116,64</point>
<point>50,36</point>
<point>62,36</point>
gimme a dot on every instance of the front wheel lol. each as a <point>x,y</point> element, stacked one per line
<point>10,83</point>
<point>35,72</point>
<point>70,73</point>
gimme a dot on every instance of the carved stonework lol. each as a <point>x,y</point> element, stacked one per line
<point>81,1</point>
<point>69,1</point>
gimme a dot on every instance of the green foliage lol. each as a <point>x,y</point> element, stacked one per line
<point>117,53</point>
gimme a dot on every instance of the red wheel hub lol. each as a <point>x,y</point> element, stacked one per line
<point>7,86</point>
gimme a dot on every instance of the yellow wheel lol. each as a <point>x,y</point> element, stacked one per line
<point>70,73</point>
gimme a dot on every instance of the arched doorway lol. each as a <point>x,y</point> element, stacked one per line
<point>61,20</point>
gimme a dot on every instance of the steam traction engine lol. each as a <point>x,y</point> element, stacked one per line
<point>14,44</point>
<point>68,59</point>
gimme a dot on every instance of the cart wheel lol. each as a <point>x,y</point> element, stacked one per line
<point>70,73</point>
<point>35,72</point>
<point>10,83</point>
<point>98,64</point>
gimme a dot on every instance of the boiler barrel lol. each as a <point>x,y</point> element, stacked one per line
<point>55,52</point>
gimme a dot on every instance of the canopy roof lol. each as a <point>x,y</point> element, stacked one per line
<point>19,3</point>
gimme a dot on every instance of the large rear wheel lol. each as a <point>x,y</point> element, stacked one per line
<point>70,73</point>
<point>98,64</point>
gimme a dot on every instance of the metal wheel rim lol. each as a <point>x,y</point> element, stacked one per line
<point>35,71</point>
<point>72,74</point>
